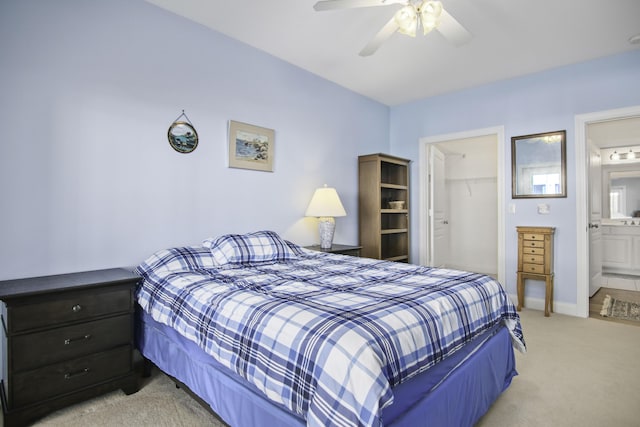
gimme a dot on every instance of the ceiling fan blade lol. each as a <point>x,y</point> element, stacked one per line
<point>382,36</point>
<point>452,30</point>
<point>349,4</point>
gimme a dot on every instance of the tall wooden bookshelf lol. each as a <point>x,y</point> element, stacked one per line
<point>384,230</point>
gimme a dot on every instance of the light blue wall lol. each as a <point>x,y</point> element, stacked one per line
<point>541,102</point>
<point>88,89</point>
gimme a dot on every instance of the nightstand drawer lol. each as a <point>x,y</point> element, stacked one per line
<point>533,244</point>
<point>63,310</point>
<point>533,236</point>
<point>55,380</point>
<point>69,342</point>
<point>533,268</point>
<point>533,259</point>
<point>533,251</point>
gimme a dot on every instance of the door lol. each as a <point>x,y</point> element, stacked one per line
<point>595,217</point>
<point>439,252</point>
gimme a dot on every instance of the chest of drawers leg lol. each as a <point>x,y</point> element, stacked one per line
<point>66,338</point>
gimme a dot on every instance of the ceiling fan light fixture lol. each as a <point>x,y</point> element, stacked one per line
<point>429,24</point>
<point>407,20</point>
<point>430,12</point>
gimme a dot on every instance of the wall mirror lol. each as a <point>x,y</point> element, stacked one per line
<point>624,194</point>
<point>538,165</point>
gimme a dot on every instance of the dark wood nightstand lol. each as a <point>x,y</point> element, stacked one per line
<point>338,249</point>
<point>66,338</point>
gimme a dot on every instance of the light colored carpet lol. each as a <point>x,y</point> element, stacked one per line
<point>577,372</point>
<point>158,403</point>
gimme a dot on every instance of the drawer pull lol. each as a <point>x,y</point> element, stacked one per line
<point>70,375</point>
<point>76,308</point>
<point>72,340</point>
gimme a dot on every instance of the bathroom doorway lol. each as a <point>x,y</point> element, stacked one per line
<point>608,134</point>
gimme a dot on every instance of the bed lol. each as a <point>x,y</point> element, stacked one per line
<point>267,333</point>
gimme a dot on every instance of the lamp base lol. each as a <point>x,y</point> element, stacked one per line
<point>326,226</point>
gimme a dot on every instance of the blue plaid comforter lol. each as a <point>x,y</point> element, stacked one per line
<point>325,335</point>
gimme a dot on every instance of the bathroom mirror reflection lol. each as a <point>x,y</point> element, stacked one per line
<point>624,194</point>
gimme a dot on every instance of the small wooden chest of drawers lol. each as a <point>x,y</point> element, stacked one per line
<point>66,338</point>
<point>535,261</point>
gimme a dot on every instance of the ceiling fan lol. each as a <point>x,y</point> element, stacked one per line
<point>414,14</point>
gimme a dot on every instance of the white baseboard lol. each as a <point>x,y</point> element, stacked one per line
<point>538,304</point>
<point>618,281</point>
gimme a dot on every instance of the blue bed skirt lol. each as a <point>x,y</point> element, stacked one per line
<point>456,392</point>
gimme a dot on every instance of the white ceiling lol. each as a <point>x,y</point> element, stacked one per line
<point>615,133</point>
<point>510,38</point>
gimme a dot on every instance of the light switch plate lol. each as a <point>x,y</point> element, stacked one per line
<point>543,209</point>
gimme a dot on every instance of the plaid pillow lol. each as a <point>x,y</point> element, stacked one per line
<point>260,246</point>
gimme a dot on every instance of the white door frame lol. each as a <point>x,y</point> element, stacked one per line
<point>423,189</point>
<point>582,188</point>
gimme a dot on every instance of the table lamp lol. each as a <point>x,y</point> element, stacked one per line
<point>325,204</point>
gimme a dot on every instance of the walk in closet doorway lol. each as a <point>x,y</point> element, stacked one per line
<point>462,200</point>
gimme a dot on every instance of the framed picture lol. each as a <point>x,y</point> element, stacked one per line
<point>538,165</point>
<point>250,147</point>
<point>182,137</point>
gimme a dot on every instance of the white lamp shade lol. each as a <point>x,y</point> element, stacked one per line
<point>325,202</point>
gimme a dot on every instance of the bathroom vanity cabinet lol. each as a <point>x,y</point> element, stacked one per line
<point>621,248</point>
